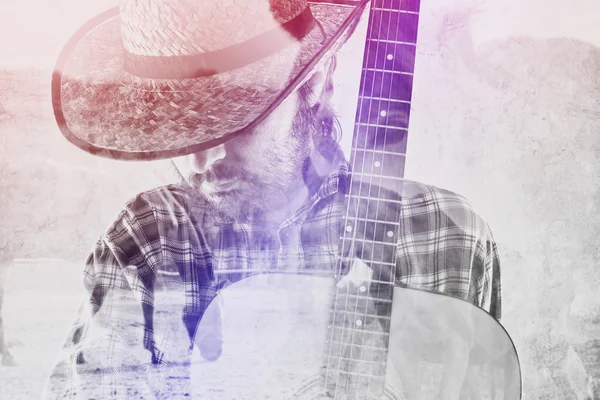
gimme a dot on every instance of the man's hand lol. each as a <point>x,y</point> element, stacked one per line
<point>209,337</point>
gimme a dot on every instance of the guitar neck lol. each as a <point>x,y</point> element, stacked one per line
<point>359,329</point>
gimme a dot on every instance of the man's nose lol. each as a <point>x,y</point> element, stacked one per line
<point>202,161</point>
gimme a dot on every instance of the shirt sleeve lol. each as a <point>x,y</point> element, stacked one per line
<point>488,284</point>
<point>104,347</point>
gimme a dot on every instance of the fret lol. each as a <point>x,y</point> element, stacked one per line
<point>364,304</point>
<point>366,209</point>
<point>374,350</point>
<point>383,263</point>
<point>362,368</point>
<point>376,252</point>
<point>351,317</point>
<point>376,231</point>
<point>371,177</point>
<point>384,188</point>
<point>393,245</point>
<point>379,283</point>
<point>407,5</point>
<point>387,70</point>
<point>358,297</point>
<point>339,336</point>
<point>388,25</point>
<point>377,200</point>
<point>379,157</point>
<point>381,212</point>
<point>383,164</point>
<point>388,41</point>
<point>362,97</point>
<point>395,11</point>
<point>383,113</point>
<point>363,331</point>
<point>380,138</point>
<point>386,85</point>
<point>361,209</point>
<point>375,175</point>
<point>376,125</point>
<point>359,303</point>
<point>385,227</point>
<point>374,281</point>
<point>390,55</point>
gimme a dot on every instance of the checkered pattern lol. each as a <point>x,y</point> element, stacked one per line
<point>153,273</point>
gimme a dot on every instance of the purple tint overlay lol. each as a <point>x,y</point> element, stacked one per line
<point>395,113</point>
<point>393,25</point>
<point>388,85</point>
<point>402,56</point>
<point>389,164</point>
<point>405,5</point>
<point>381,138</point>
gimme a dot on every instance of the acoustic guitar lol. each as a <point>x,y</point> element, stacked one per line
<point>306,336</point>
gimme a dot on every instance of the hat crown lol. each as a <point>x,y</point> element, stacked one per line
<point>192,27</point>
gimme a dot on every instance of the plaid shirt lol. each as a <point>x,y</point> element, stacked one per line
<point>154,271</point>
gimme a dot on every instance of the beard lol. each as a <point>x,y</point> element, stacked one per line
<point>269,184</point>
<point>253,196</point>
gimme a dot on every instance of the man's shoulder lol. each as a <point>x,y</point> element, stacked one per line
<point>172,197</point>
<point>416,192</point>
<point>152,225</point>
<point>425,200</point>
<point>163,205</point>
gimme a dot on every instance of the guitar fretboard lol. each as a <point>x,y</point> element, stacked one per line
<point>357,338</point>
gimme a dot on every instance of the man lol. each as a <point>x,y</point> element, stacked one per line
<point>238,95</point>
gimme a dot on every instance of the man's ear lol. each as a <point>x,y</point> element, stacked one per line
<point>317,83</point>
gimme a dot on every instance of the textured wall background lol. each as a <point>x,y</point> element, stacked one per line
<point>506,112</point>
<point>510,119</point>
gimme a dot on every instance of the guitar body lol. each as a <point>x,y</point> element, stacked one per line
<point>274,331</point>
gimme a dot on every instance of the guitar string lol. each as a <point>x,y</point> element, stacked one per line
<point>381,169</point>
<point>397,62</point>
<point>371,175</point>
<point>352,183</point>
<point>370,59</point>
<point>408,93</point>
<point>370,184</point>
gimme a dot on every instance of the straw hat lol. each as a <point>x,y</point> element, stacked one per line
<point>155,79</point>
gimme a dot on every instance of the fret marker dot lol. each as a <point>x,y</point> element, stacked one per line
<point>358,322</point>
<point>349,228</point>
<point>390,57</point>
<point>383,113</point>
<point>362,289</point>
<point>390,233</point>
<point>377,164</point>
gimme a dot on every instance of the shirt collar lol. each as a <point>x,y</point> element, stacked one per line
<point>328,177</point>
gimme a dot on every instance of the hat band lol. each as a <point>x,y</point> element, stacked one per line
<point>222,60</point>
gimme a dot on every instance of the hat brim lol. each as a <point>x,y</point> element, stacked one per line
<point>104,110</point>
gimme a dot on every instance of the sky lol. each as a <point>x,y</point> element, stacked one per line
<point>33,31</point>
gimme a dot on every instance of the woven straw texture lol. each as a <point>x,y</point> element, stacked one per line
<point>106,111</point>
<point>180,27</point>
